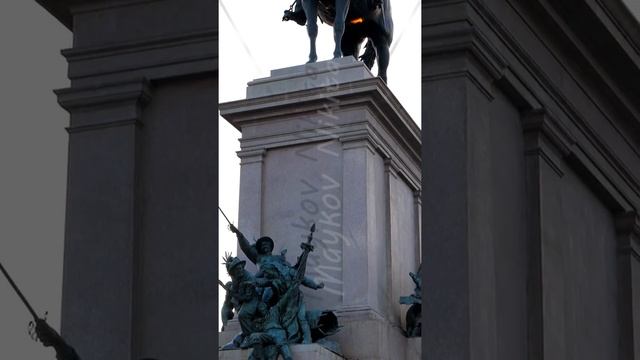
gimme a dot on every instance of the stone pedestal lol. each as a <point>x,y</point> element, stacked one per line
<point>414,348</point>
<point>300,352</point>
<point>329,143</point>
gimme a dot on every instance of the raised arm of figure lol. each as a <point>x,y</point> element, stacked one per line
<point>248,249</point>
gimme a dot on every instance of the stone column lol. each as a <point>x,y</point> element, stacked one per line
<point>337,149</point>
<point>251,164</point>
<point>140,244</point>
<point>544,172</point>
<point>459,314</point>
<point>629,284</point>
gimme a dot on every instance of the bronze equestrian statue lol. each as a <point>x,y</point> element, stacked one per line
<point>353,21</point>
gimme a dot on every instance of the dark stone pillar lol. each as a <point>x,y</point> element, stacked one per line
<point>629,284</point>
<point>102,225</point>
<point>545,232</point>
<point>141,228</point>
<point>459,315</point>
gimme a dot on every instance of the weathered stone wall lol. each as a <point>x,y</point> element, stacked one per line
<point>530,185</point>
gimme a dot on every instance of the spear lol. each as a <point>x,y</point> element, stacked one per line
<point>17,290</point>
<point>225,216</point>
<point>223,285</point>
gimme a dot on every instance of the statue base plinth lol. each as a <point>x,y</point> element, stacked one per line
<point>414,348</point>
<point>328,143</point>
<point>300,352</point>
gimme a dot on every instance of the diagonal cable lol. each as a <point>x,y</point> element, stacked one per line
<point>244,43</point>
<point>404,29</point>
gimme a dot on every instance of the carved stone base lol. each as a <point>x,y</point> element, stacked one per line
<point>367,336</point>
<point>414,348</point>
<point>328,143</point>
<point>232,329</point>
<point>300,352</point>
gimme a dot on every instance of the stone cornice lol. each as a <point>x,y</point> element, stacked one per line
<point>60,10</point>
<point>370,94</point>
<point>166,41</point>
<point>461,28</point>
<point>155,58</point>
<point>63,10</point>
<point>543,123</point>
<point>604,43</point>
<point>547,138</point>
<point>625,23</point>
<point>251,156</point>
<point>446,41</point>
<point>80,7</point>
<point>628,228</point>
<point>568,109</point>
<point>119,102</point>
<point>75,98</point>
<point>459,35</point>
<point>552,142</point>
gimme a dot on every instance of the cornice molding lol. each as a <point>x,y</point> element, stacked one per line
<point>85,7</point>
<point>106,106</point>
<point>458,41</point>
<point>251,156</point>
<point>462,27</point>
<point>177,55</point>
<point>542,123</point>
<point>371,95</point>
<point>64,10</point>
<point>628,228</point>
<point>462,36</point>
<point>76,98</point>
<point>165,41</point>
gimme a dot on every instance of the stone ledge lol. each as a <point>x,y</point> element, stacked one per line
<point>300,352</point>
<point>309,76</point>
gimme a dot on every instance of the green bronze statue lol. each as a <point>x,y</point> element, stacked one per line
<point>275,275</point>
<point>414,314</point>
<point>269,304</point>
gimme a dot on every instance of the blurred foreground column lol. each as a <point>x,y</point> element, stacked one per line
<point>140,249</point>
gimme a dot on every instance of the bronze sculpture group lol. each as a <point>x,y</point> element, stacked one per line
<point>353,22</point>
<point>269,304</point>
<point>414,314</point>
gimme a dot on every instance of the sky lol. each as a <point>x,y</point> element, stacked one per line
<point>634,6</point>
<point>254,42</point>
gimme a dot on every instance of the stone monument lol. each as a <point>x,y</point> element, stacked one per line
<point>328,143</point>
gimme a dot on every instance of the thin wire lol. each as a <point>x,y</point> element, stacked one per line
<point>413,14</point>
<point>244,43</point>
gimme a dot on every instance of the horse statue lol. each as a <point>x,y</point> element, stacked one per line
<point>353,21</point>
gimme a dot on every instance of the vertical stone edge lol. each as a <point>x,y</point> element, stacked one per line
<point>102,217</point>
